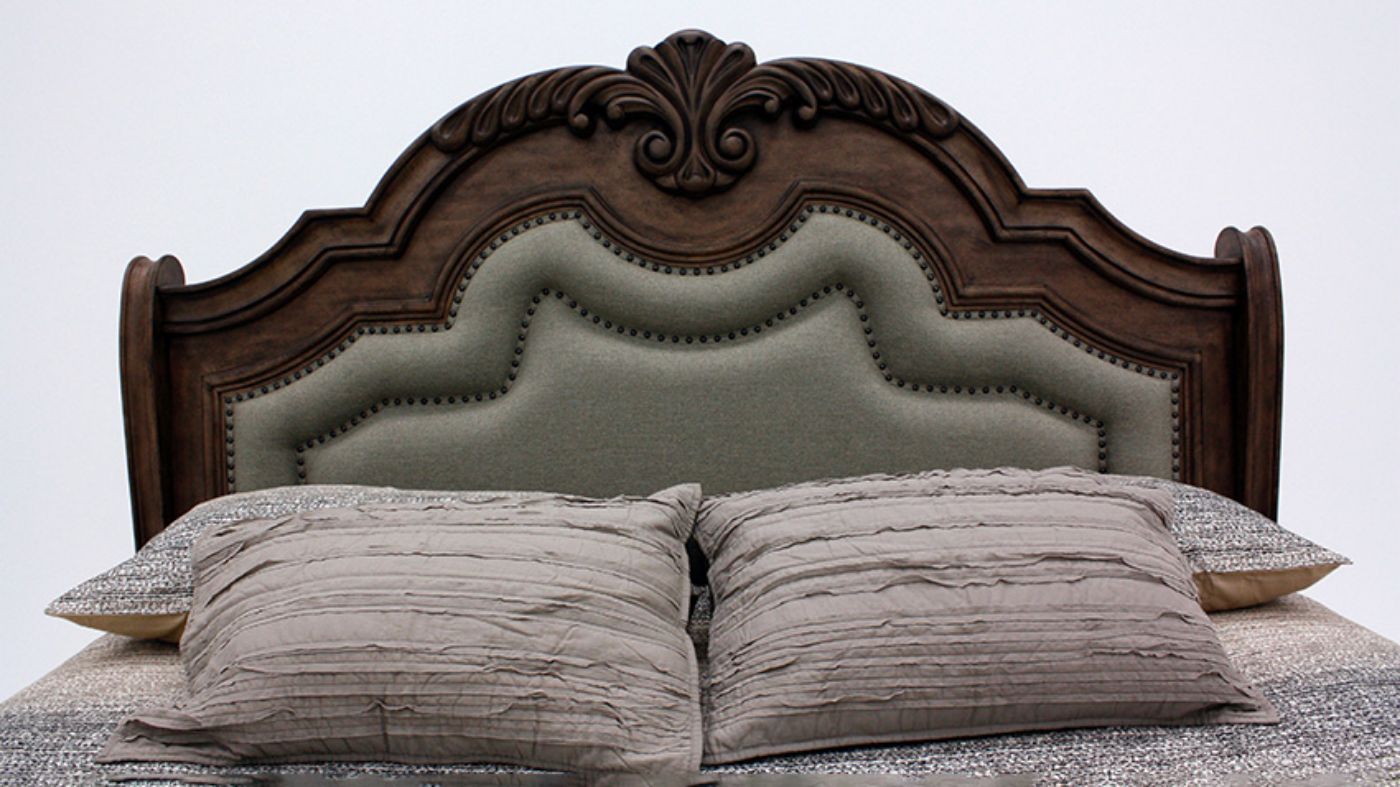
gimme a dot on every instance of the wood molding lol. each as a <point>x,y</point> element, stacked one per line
<point>535,105</point>
<point>692,86</point>
<point>1259,343</point>
<point>143,373</point>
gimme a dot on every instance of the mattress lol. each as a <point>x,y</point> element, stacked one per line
<point>1335,684</point>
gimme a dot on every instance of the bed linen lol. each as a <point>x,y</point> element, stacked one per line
<point>1335,684</point>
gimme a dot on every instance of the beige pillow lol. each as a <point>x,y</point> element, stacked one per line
<point>1240,557</point>
<point>888,609</point>
<point>546,631</point>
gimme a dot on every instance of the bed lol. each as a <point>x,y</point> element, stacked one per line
<point>701,268</point>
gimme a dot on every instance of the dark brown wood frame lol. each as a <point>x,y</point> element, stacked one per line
<point>703,155</point>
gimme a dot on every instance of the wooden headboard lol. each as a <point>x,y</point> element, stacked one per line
<point>692,159</point>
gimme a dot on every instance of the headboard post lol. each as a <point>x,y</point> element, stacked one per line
<point>1259,341</point>
<point>143,363</point>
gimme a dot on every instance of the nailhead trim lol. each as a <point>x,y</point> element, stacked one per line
<point>495,244</point>
<point>228,440</point>
<point>675,339</point>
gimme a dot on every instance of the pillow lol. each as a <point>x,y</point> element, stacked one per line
<point>889,609</point>
<point>148,595</point>
<point>547,631</point>
<point>1240,557</point>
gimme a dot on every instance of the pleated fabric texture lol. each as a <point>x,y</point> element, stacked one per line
<point>545,631</point>
<point>888,609</point>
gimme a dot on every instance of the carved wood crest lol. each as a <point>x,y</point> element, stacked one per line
<point>693,88</point>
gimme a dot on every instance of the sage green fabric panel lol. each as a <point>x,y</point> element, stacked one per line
<point>595,412</point>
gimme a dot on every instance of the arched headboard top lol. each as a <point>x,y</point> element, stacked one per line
<point>694,195</point>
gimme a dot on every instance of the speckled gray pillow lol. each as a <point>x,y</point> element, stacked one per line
<point>1240,557</point>
<point>148,595</point>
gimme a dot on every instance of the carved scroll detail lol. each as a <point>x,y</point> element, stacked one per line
<point>693,88</point>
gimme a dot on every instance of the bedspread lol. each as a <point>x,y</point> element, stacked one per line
<point>1335,684</point>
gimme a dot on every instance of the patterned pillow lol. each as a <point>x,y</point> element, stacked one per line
<point>1239,556</point>
<point>887,609</point>
<point>542,631</point>
<point>148,595</point>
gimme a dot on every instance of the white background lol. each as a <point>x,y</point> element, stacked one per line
<point>142,128</point>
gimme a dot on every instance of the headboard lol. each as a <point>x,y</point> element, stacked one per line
<point>701,268</point>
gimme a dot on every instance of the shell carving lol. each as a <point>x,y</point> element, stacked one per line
<point>692,88</point>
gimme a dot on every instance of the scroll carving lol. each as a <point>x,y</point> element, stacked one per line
<point>693,88</point>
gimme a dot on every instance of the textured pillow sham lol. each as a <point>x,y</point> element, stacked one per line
<point>887,609</point>
<point>148,595</point>
<point>1239,556</point>
<point>546,632</point>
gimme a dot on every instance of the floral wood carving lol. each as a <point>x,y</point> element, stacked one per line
<point>693,88</point>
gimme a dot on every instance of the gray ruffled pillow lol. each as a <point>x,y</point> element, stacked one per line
<point>538,631</point>
<point>889,609</point>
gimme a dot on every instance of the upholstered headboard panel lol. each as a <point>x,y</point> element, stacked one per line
<point>564,366</point>
<point>705,269</point>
